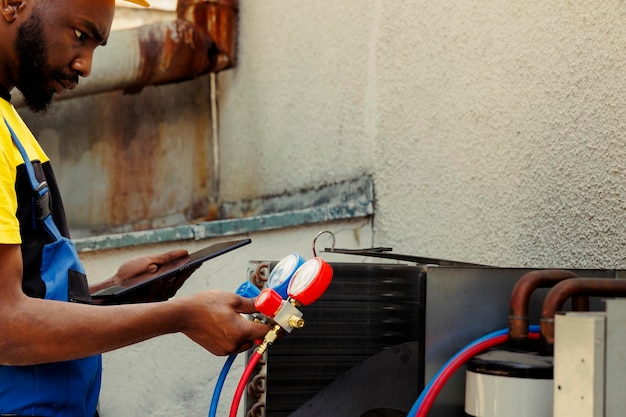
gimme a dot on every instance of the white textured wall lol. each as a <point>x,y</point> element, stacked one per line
<point>514,125</point>
<point>494,130</point>
<point>294,112</point>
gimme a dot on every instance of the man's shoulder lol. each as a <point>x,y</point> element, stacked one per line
<point>24,135</point>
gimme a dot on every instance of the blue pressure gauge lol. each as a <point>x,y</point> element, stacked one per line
<point>283,271</point>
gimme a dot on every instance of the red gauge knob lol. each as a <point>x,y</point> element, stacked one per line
<point>268,302</point>
<point>310,281</point>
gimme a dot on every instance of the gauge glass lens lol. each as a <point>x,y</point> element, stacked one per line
<point>283,270</point>
<point>304,277</point>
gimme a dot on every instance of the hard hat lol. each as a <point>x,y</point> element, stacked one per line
<point>140,2</point>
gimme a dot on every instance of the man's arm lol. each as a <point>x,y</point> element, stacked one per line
<point>39,331</point>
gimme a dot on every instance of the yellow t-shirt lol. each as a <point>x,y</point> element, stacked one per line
<point>10,159</point>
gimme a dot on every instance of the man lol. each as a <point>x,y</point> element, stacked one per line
<point>50,348</point>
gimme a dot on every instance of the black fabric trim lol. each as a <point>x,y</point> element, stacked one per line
<point>34,237</point>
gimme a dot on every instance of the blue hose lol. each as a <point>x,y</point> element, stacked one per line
<point>248,290</point>
<point>220,384</point>
<point>420,399</point>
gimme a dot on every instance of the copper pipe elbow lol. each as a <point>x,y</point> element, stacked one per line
<point>598,287</point>
<point>520,298</point>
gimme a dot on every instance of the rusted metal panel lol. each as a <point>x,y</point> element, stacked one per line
<point>127,163</point>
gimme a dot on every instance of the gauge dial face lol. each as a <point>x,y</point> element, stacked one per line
<point>305,277</point>
<point>284,270</point>
<point>310,281</point>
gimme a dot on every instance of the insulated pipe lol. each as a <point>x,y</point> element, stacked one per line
<point>571,287</point>
<point>199,41</point>
<point>520,298</point>
<point>153,54</point>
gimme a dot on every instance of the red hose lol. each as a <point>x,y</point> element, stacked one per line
<point>254,359</point>
<point>455,364</point>
<point>438,384</point>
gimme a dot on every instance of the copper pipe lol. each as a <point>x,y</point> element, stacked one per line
<point>572,287</point>
<point>520,298</point>
<point>260,275</point>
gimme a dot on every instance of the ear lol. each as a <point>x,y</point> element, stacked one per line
<point>11,8</point>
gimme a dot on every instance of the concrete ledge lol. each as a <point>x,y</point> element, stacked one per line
<point>339,201</point>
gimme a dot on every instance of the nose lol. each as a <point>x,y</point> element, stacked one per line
<point>82,63</point>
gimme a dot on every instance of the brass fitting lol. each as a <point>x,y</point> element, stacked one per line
<point>270,337</point>
<point>296,322</point>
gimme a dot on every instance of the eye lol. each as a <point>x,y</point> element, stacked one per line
<point>80,35</point>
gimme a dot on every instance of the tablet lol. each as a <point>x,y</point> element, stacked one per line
<point>170,269</point>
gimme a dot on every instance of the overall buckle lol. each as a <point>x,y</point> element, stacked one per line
<point>43,204</point>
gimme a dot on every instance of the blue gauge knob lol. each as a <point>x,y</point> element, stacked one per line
<point>248,290</point>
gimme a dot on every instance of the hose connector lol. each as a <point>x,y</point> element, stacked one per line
<point>269,339</point>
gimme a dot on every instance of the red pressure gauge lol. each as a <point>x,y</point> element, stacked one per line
<point>310,281</point>
<point>268,302</point>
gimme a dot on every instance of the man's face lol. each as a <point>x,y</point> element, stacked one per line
<point>53,56</point>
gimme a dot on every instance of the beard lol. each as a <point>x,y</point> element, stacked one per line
<point>32,55</point>
<point>33,72</point>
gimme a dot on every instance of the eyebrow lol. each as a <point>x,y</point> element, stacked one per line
<point>94,32</point>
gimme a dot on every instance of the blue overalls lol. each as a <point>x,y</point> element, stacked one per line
<point>62,389</point>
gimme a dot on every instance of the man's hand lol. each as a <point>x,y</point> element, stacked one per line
<point>216,322</point>
<point>148,264</point>
<point>158,291</point>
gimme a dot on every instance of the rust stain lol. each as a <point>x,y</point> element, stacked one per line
<point>199,41</point>
<point>217,20</point>
<point>177,52</point>
<point>152,157</point>
<point>131,165</point>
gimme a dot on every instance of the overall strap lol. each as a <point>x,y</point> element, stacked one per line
<point>42,201</point>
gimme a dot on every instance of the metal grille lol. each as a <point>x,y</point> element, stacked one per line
<point>367,309</point>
